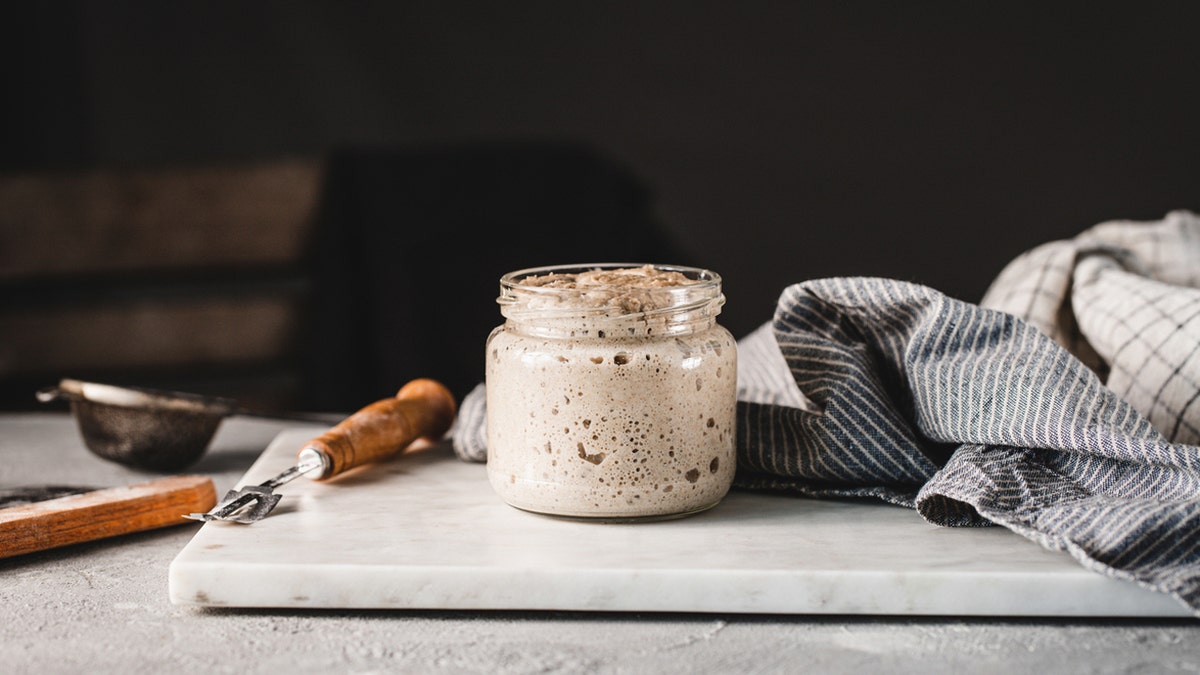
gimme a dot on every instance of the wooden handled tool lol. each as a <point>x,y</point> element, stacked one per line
<point>102,513</point>
<point>423,408</point>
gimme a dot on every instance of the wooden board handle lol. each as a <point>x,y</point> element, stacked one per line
<point>103,513</point>
<point>423,408</point>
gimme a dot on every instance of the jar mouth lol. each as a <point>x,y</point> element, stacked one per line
<point>625,300</point>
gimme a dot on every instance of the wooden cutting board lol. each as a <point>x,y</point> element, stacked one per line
<point>426,531</point>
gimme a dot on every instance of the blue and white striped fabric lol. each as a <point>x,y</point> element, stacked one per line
<point>973,417</point>
<point>864,387</point>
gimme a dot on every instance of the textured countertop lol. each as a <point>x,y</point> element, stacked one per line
<point>103,607</point>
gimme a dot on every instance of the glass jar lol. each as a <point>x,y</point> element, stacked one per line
<point>611,392</point>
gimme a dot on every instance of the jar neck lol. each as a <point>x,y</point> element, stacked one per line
<point>609,312</point>
<point>626,327</point>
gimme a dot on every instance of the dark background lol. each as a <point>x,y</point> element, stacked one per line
<point>776,141</point>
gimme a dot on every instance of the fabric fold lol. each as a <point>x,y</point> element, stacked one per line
<point>1031,438</point>
<point>1124,297</point>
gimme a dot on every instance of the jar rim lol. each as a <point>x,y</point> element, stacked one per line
<point>703,277</point>
<point>544,301</point>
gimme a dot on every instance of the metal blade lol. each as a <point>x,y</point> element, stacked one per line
<point>247,505</point>
<point>253,502</point>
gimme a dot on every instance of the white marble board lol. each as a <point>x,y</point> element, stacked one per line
<point>425,531</point>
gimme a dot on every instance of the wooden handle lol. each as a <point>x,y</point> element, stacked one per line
<point>423,408</point>
<point>103,513</point>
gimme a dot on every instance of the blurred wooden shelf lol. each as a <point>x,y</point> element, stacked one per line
<point>184,278</point>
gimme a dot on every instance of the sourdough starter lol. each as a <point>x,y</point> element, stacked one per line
<point>611,392</point>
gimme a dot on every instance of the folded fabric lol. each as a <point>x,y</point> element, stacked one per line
<point>972,416</point>
<point>1124,297</point>
<point>865,387</point>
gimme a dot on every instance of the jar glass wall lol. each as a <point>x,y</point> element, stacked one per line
<point>611,392</point>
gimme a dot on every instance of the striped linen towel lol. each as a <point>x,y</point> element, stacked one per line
<point>973,417</point>
<point>866,387</point>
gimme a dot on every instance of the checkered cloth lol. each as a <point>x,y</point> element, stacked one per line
<point>863,387</point>
<point>1124,297</point>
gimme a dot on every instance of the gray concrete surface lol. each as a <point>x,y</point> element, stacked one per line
<point>102,607</point>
